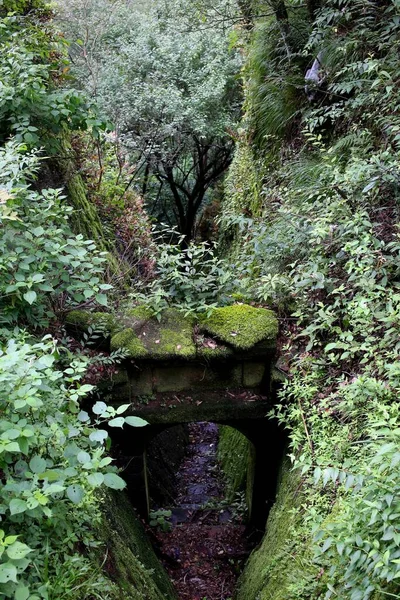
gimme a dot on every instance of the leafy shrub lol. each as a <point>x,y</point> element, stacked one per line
<point>192,279</point>
<point>329,238</point>
<point>32,106</point>
<point>362,543</point>
<point>53,463</point>
<point>44,266</point>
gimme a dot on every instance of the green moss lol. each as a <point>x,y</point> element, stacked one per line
<point>139,313</point>
<point>241,326</point>
<point>146,337</point>
<point>130,561</point>
<point>244,181</point>
<point>85,218</point>
<point>83,319</point>
<point>143,336</point>
<point>234,454</point>
<point>282,567</point>
<point>219,352</point>
<point>129,341</point>
<point>176,343</point>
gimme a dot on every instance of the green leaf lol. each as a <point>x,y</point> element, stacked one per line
<point>96,479</point>
<point>18,550</point>
<point>114,482</point>
<point>117,422</point>
<point>47,360</point>
<point>99,435</point>
<point>136,421</point>
<point>86,388</point>
<point>102,299</point>
<point>75,493</point>
<point>17,506</point>
<point>83,457</point>
<point>30,296</point>
<point>22,592</point>
<point>99,408</point>
<point>50,475</point>
<point>13,447</point>
<point>54,488</point>
<point>331,346</point>
<point>8,572</point>
<point>37,464</point>
<point>83,416</point>
<point>10,539</point>
<point>121,409</point>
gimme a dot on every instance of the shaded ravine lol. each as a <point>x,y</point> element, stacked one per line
<point>207,545</point>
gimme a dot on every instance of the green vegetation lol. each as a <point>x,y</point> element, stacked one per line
<point>53,460</point>
<point>235,456</point>
<point>170,334</point>
<point>83,319</point>
<point>171,337</point>
<point>175,121</point>
<point>283,564</point>
<point>241,326</point>
<point>322,242</point>
<point>35,283</point>
<point>308,226</point>
<point>132,563</point>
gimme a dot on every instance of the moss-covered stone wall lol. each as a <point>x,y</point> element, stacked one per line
<point>61,170</point>
<point>129,561</point>
<point>280,568</point>
<point>283,566</point>
<point>236,457</point>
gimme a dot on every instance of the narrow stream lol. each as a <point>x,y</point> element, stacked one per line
<point>206,545</point>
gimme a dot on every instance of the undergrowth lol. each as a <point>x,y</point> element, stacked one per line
<point>323,235</point>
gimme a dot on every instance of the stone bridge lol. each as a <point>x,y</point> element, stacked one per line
<point>189,369</point>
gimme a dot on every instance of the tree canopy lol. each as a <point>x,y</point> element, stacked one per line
<point>172,91</point>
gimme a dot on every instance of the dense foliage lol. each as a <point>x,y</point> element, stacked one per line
<point>169,87</point>
<point>53,459</point>
<point>309,226</point>
<point>322,230</point>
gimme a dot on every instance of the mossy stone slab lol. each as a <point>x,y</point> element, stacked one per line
<point>241,326</point>
<point>144,337</point>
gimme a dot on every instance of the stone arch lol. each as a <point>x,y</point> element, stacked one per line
<point>267,441</point>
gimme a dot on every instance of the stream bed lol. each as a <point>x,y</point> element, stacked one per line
<point>206,545</point>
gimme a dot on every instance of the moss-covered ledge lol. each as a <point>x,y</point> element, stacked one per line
<point>241,326</point>
<point>144,337</point>
<point>226,331</point>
